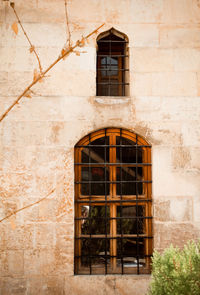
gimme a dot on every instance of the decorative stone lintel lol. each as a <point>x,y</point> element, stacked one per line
<point>112,100</point>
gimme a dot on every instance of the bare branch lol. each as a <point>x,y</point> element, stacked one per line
<point>32,47</point>
<point>67,24</point>
<point>28,206</point>
<point>66,52</point>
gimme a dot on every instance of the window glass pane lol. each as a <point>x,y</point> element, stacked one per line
<point>128,154</point>
<point>92,176</point>
<point>108,89</point>
<point>95,154</point>
<point>95,220</point>
<point>129,249</point>
<point>131,175</point>
<point>93,251</point>
<point>109,66</point>
<point>133,225</point>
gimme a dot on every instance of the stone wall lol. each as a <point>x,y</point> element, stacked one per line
<point>39,134</point>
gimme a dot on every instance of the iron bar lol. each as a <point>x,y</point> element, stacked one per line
<point>115,201</point>
<point>116,181</point>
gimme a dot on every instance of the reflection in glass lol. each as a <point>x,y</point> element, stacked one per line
<point>127,249</point>
<point>95,220</point>
<point>133,225</point>
<point>109,66</point>
<point>130,154</point>
<point>93,154</point>
<point>132,174</point>
<point>93,251</point>
<point>96,174</point>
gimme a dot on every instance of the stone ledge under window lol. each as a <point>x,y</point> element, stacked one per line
<point>112,100</point>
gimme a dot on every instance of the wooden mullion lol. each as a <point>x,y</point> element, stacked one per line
<point>78,206</point>
<point>120,75</point>
<point>147,191</point>
<point>113,206</point>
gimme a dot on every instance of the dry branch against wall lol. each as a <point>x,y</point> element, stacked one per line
<point>15,29</point>
<point>64,53</point>
<point>67,25</point>
<point>28,206</point>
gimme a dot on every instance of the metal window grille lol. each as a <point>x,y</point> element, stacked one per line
<point>112,66</point>
<point>113,221</point>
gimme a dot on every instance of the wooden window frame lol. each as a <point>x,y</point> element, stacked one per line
<point>112,201</point>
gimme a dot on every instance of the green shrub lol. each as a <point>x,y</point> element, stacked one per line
<point>176,271</point>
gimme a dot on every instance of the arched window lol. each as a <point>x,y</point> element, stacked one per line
<point>112,64</point>
<point>113,221</point>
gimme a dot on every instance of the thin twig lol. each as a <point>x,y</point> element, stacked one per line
<point>65,53</point>
<point>67,24</point>
<point>32,47</point>
<point>28,206</point>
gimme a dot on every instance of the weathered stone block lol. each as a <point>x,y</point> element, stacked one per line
<point>39,261</point>
<point>174,84</point>
<point>77,284</point>
<point>45,237</point>
<point>141,84</point>
<point>49,285</point>
<point>17,238</point>
<point>143,35</point>
<point>15,262</point>
<point>190,133</point>
<point>187,59</point>
<point>144,11</point>
<point>134,286</point>
<point>195,158</point>
<point>161,210</point>
<point>92,12</point>
<point>181,158</point>
<point>47,208</point>
<point>53,85</point>
<point>180,108</point>
<point>152,60</point>
<point>42,11</point>
<point>30,214</point>
<point>120,15</point>
<point>179,36</point>
<point>175,11</point>
<point>174,233</point>
<point>3,265</point>
<point>164,84</point>
<point>173,209</point>
<point>16,184</point>
<point>196,209</point>
<point>65,237</point>
<point>10,286</point>
<point>18,59</point>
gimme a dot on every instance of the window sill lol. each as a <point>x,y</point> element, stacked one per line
<point>134,276</point>
<point>112,100</point>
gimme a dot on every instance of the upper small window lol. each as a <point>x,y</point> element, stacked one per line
<point>112,64</point>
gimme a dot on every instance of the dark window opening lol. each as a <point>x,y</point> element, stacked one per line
<point>112,66</point>
<point>113,221</point>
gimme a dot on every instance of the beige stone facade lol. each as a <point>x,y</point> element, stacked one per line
<point>38,136</point>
